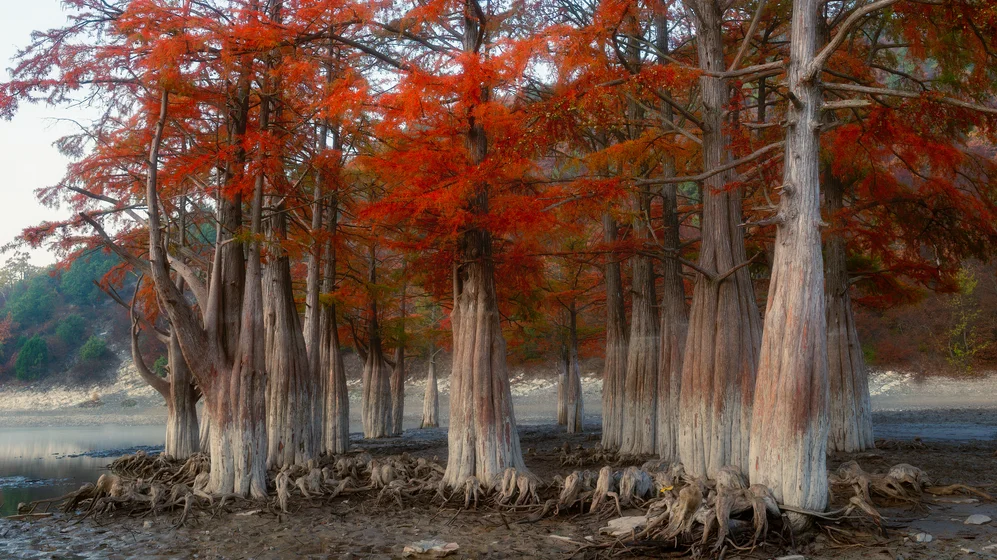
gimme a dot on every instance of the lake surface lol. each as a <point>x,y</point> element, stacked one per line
<point>46,462</point>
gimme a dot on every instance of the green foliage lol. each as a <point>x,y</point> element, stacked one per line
<point>159,367</point>
<point>31,359</point>
<point>71,329</point>
<point>93,349</point>
<point>77,283</point>
<point>965,338</point>
<point>32,302</point>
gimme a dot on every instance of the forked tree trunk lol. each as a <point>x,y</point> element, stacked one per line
<point>640,391</point>
<point>674,325</point>
<point>482,438</point>
<point>431,399</point>
<point>179,393</point>
<point>291,385</point>
<point>617,341</point>
<point>790,425</point>
<point>721,356</point>
<point>573,406</point>
<point>850,408</point>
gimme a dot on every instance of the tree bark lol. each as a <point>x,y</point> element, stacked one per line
<point>336,398</point>
<point>617,341</point>
<point>292,427</point>
<point>718,374</point>
<point>573,405</point>
<point>674,326</point>
<point>431,399</point>
<point>376,378</point>
<point>641,382</point>
<point>182,439</point>
<point>850,408</point>
<point>398,375</point>
<point>482,439</point>
<point>790,424</point>
<point>562,385</point>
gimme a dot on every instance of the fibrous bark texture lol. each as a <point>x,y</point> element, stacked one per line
<point>562,385</point>
<point>674,325</point>
<point>573,405</point>
<point>641,382</point>
<point>376,399</point>
<point>790,424</point>
<point>292,427</point>
<point>398,391</point>
<point>850,409</point>
<point>482,439</point>
<point>718,374</point>
<point>431,399</point>
<point>616,345</point>
<point>335,396</point>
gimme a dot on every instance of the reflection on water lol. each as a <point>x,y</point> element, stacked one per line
<point>37,463</point>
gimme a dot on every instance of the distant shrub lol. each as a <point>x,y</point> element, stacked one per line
<point>159,367</point>
<point>93,349</point>
<point>31,359</point>
<point>129,403</point>
<point>71,330</point>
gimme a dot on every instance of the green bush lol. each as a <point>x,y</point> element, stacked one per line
<point>31,359</point>
<point>77,282</point>
<point>94,348</point>
<point>71,330</point>
<point>160,366</point>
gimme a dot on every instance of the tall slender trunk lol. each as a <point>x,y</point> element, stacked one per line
<point>573,406</point>
<point>674,326</point>
<point>721,356</point>
<point>336,399</point>
<point>376,400</point>
<point>482,439</point>
<point>398,375</point>
<point>617,341</point>
<point>291,380</point>
<point>850,408</point>
<point>431,399</point>
<point>790,424</point>
<point>641,382</point>
<point>562,384</point>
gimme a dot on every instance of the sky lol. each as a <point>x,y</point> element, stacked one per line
<point>28,160</point>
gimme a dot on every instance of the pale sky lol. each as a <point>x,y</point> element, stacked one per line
<point>28,160</point>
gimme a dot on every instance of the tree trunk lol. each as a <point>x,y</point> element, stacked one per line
<point>398,391</point>
<point>336,402</point>
<point>850,409</point>
<point>562,385</point>
<point>721,356</point>
<point>291,383</point>
<point>574,413</point>
<point>376,399</point>
<point>790,424</point>
<point>204,431</point>
<point>616,344</point>
<point>641,383</point>
<point>482,439</point>
<point>674,325</point>
<point>431,400</point>
<point>181,409</point>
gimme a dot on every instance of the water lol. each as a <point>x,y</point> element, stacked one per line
<point>46,462</point>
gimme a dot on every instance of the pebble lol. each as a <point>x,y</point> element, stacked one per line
<point>792,557</point>
<point>977,519</point>
<point>147,525</point>
<point>923,538</point>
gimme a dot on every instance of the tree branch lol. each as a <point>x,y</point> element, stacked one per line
<point>707,174</point>
<point>817,64</point>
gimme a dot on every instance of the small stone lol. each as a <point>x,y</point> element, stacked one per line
<point>147,525</point>
<point>923,538</point>
<point>792,557</point>
<point>977,519</point>
<point>624,525</point>
<point>967,550</point>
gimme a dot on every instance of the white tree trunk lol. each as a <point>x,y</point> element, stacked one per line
<point>790,424</point>
<point>376,399</point>
<point>562,386</point>
<point>573,405</point>
<point>674,326</point>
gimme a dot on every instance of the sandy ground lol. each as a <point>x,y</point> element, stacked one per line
<point>952,439</point>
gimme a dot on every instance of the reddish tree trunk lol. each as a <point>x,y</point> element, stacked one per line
<point>617,342</point>
<point>721,356</point>
<point>790,424</point>
<point>850,408</point>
